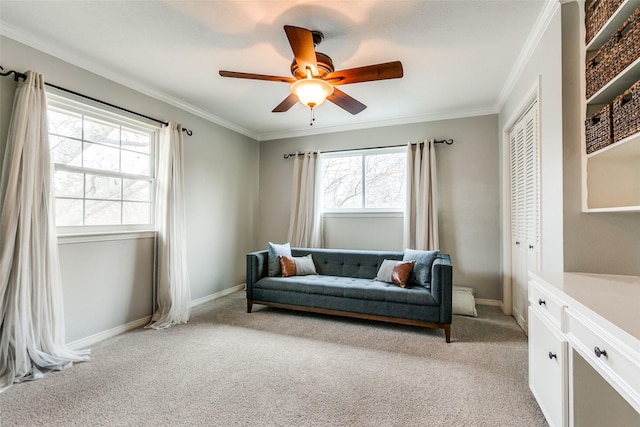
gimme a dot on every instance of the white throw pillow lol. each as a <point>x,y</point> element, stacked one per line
<point>396,272</point>
<point>463,301</point>
<point>305,265</point>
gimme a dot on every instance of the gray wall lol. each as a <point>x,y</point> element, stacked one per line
<point>468,176</point>
<point>107,284</point>
<point>607,243</point>
<point>354,231</point>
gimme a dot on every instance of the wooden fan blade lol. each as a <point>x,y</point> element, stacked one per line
<point>301,41</point>
<point>238,75</point>
<point>388,70</point>
<point>346,102</point>
<point>288,102</point>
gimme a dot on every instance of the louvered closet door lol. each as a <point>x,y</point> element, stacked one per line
<point>525,218</point>
<point>532,190</point>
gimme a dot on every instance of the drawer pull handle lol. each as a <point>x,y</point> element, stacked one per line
<point>599,352</point>
<point>552,356</point>
<point>541,302</point>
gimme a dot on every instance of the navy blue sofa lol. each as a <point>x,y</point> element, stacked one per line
<point>345,286</point>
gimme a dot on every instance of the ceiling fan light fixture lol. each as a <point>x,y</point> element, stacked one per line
<point>311,92</point>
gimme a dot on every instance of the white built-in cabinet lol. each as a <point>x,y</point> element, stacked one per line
<point>524,159</point>
<point>611,176</point>
<point>548,377</point>
<point>584,348</point>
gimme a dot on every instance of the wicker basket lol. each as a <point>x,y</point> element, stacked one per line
<point>598,130</point>
<point>598,69</point>
<point>627,48</point>
<point>598,12</point>
<point>622,49</point>
<point>626,113</point>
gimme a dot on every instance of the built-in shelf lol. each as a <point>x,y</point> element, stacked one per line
<point>617,85</point>
<point>623,149</point>
<point>611,181</point>
<point>617,19</point>
<point>629,209</point>
<point>613,177</point>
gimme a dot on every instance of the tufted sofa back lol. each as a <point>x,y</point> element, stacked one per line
<point>347,263</point>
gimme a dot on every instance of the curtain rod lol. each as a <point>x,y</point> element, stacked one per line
<point>444,141</point>
<point>23,76</point>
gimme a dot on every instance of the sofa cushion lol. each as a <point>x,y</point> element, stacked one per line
<point>349,287</point>
<point>274,252</point>
<point>421,274</point>
<point>396,272</point>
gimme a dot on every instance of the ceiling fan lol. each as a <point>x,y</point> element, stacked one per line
<point>314,78</point>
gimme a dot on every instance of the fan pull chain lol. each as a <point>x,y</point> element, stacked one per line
<point>313,116</point>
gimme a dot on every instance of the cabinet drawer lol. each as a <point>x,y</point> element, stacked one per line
<point>548,368</point>
<point>538,297</point>
<point>615,363</point>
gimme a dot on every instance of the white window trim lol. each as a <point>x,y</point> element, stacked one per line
<point>363,212</point>
<point>91,233</point>
<point>364,151</point>
<point>87,237</point>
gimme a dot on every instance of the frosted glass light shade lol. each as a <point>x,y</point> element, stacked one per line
<point>311,92</point>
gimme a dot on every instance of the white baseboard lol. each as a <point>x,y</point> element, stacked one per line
<point>101,336</point>
<point>491,302</point>
<point>217,295</point>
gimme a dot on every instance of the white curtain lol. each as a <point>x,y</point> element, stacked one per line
<point>421,216</point>
<point>305,226</point>
<point>173,296</point>
<point>32,331</point>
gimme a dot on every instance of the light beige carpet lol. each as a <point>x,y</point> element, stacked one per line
<point>283,368</point>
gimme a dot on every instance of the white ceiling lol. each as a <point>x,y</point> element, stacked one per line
<point>459,56</point>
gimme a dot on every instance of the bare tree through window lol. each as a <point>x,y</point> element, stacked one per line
<point>364,181</point>
<point>103,168</point>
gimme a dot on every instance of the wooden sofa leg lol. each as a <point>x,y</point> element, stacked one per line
<point>249,305</point>
<point>447,332</point>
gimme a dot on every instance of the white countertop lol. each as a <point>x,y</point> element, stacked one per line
<point>614,298</point>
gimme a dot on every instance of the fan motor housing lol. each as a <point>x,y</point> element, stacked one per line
<point>325,66</point>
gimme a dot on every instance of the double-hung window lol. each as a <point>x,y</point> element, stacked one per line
<point>103,168</point>
<point>363,181</point>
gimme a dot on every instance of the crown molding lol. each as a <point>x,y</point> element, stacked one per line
<point>542,23</point>
<point>380,123</point>
<point>16,34</point>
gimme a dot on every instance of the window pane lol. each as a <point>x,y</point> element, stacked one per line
<point>65,151</point>
<point>103,187</point>
<point>65,124</point>
<point>68,184</point>
<point>342,182</point>
<point>136,213</point>
<point>135,163</point>
<point>68,212</point>
<point>99,158</point>
<point>102,157</point>
<point>136,190</point>
<point>385,181</point>
<point>136,141</point>
<point>102,132</point>
<point>100,212</point>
